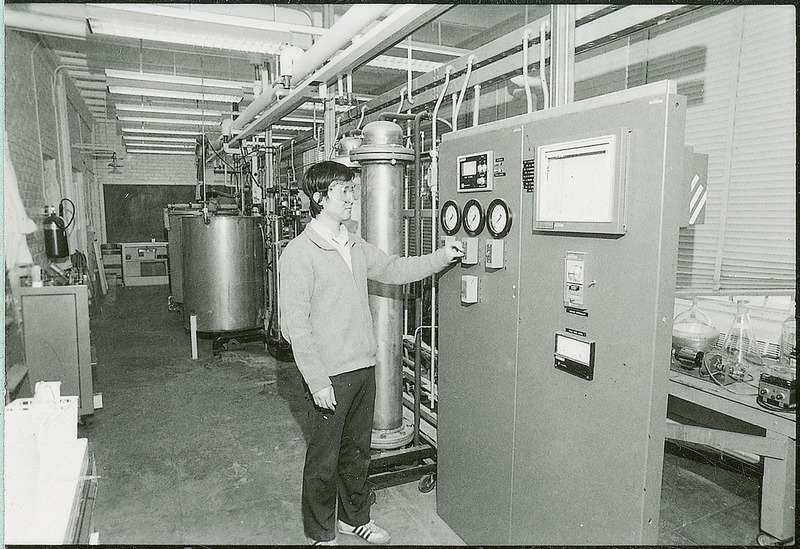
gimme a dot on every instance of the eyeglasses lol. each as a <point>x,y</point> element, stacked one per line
<point>344,192</point>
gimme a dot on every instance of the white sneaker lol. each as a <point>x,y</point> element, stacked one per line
<point>328,542</point>
<point>369,531</point>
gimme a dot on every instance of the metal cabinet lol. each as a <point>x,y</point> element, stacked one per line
<point>55,328</point>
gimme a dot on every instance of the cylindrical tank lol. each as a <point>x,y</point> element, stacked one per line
<point>383,159</point>
<point>223,272</point>
<point>175,249</point>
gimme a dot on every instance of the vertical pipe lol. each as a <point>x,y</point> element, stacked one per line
<point>383,160</point>
<point>562,54</point>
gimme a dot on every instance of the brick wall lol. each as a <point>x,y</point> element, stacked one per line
<point>30,124</point>
<point>151,169</point>
<point>28,72</point>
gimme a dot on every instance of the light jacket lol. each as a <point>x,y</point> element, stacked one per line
<point>324,306</point>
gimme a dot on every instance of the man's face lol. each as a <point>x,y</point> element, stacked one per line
<point>338,204</point>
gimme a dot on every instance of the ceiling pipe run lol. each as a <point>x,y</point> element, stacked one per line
<point>45,24</point>
<point>338,36</point>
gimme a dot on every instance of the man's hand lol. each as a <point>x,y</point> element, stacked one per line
<point>325,399</point>
<point>454,250</point>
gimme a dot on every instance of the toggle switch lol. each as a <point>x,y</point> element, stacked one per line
<point>495,253</point>
<point>469,289</point>
<point>470,251</point>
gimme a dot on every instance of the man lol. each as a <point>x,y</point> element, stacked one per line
<point>325,315</point>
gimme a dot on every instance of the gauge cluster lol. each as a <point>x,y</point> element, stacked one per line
<point>496,218</point>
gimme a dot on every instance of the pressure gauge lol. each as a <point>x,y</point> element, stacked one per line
<point>473,218</point>
<point>450,218</point>
<point>498,218</point>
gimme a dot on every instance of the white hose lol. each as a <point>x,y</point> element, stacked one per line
<point>433,184</point>
<point>542,55</point>
<point>402,99</point>
<point>461,95</point>
<point>476,90</point>
<point>527,84</point>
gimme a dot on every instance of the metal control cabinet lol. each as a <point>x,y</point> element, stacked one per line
<point>552,385</point>
<point>145,263</point>
<point>55,326</point>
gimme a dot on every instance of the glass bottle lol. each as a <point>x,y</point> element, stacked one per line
<point>788,356</point>
<point>740,346</point>
<point>692,329</point>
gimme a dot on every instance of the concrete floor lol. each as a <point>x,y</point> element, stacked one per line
<point>210,451</point>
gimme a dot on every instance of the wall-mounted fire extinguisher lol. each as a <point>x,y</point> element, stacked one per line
<point>55,230</point>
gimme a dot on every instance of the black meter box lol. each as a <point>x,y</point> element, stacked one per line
<point>778,393</point>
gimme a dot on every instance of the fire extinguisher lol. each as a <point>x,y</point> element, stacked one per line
<point>55,230</point>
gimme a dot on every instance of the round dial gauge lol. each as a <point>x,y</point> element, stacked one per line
<point>473,218</point>
<point>450,217</point>
<point>498,218</point>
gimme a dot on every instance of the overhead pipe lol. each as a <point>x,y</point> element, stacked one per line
<point>45,24</point>
<point>338,36</point>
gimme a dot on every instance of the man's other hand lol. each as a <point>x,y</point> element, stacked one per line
<point>325,399</point>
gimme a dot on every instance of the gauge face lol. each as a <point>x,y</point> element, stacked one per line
<point>498,218</point>
<point>473,218</point>
<point>450,217</point>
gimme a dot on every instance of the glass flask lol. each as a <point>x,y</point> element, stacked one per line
<point>692,329</point>
<point>789,341</point>
<point>740,347</point>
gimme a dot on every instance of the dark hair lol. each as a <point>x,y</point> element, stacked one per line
<point>320,176</point>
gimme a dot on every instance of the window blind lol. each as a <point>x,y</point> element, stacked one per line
<point>737,68</point>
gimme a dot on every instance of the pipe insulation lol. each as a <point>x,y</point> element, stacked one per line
<point>45,24</point>
<point>338,36</point>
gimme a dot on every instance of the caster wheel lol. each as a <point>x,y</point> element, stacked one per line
<point>427,483</point>
<point>765,540</point>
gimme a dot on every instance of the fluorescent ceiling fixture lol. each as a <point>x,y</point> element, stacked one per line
<point>297,119</point>
<point>160,132</point>
<point>290,128</point>
<point>156,151</point>
<point>91,85</point>
<point>129,138</point>
<point>93,94</point>
<point>196,96</point>
<point>167,110</point>
<point>180,146</point>
<point>431,48</point>
<point>194,14</point>
<point>126,29</point>
<point>174,79</point>
<point>175,121</point>
<point>401,64</point>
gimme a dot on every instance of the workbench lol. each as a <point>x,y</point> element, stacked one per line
<point>776,445</point>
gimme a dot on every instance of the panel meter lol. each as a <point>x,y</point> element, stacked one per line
<point>575,355</point>
<point>473,218</point>
<point>475,172</point>
<point>498,218</point>
<point>450,218</point>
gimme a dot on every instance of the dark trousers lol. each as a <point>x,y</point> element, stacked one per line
<point>337,458</point>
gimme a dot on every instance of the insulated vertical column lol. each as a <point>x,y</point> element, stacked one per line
<point>383,160</point>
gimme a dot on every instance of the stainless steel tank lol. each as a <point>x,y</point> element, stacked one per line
<point>383,159</point>
<point>175,248</point>
<point>223,273</point>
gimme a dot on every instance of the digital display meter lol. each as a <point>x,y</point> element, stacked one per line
<point>475,172</point>
<point>575,355</point>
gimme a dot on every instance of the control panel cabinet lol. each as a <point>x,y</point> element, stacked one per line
<point>553,384</point>
<point>55,326</point>
<point>479,340</point>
